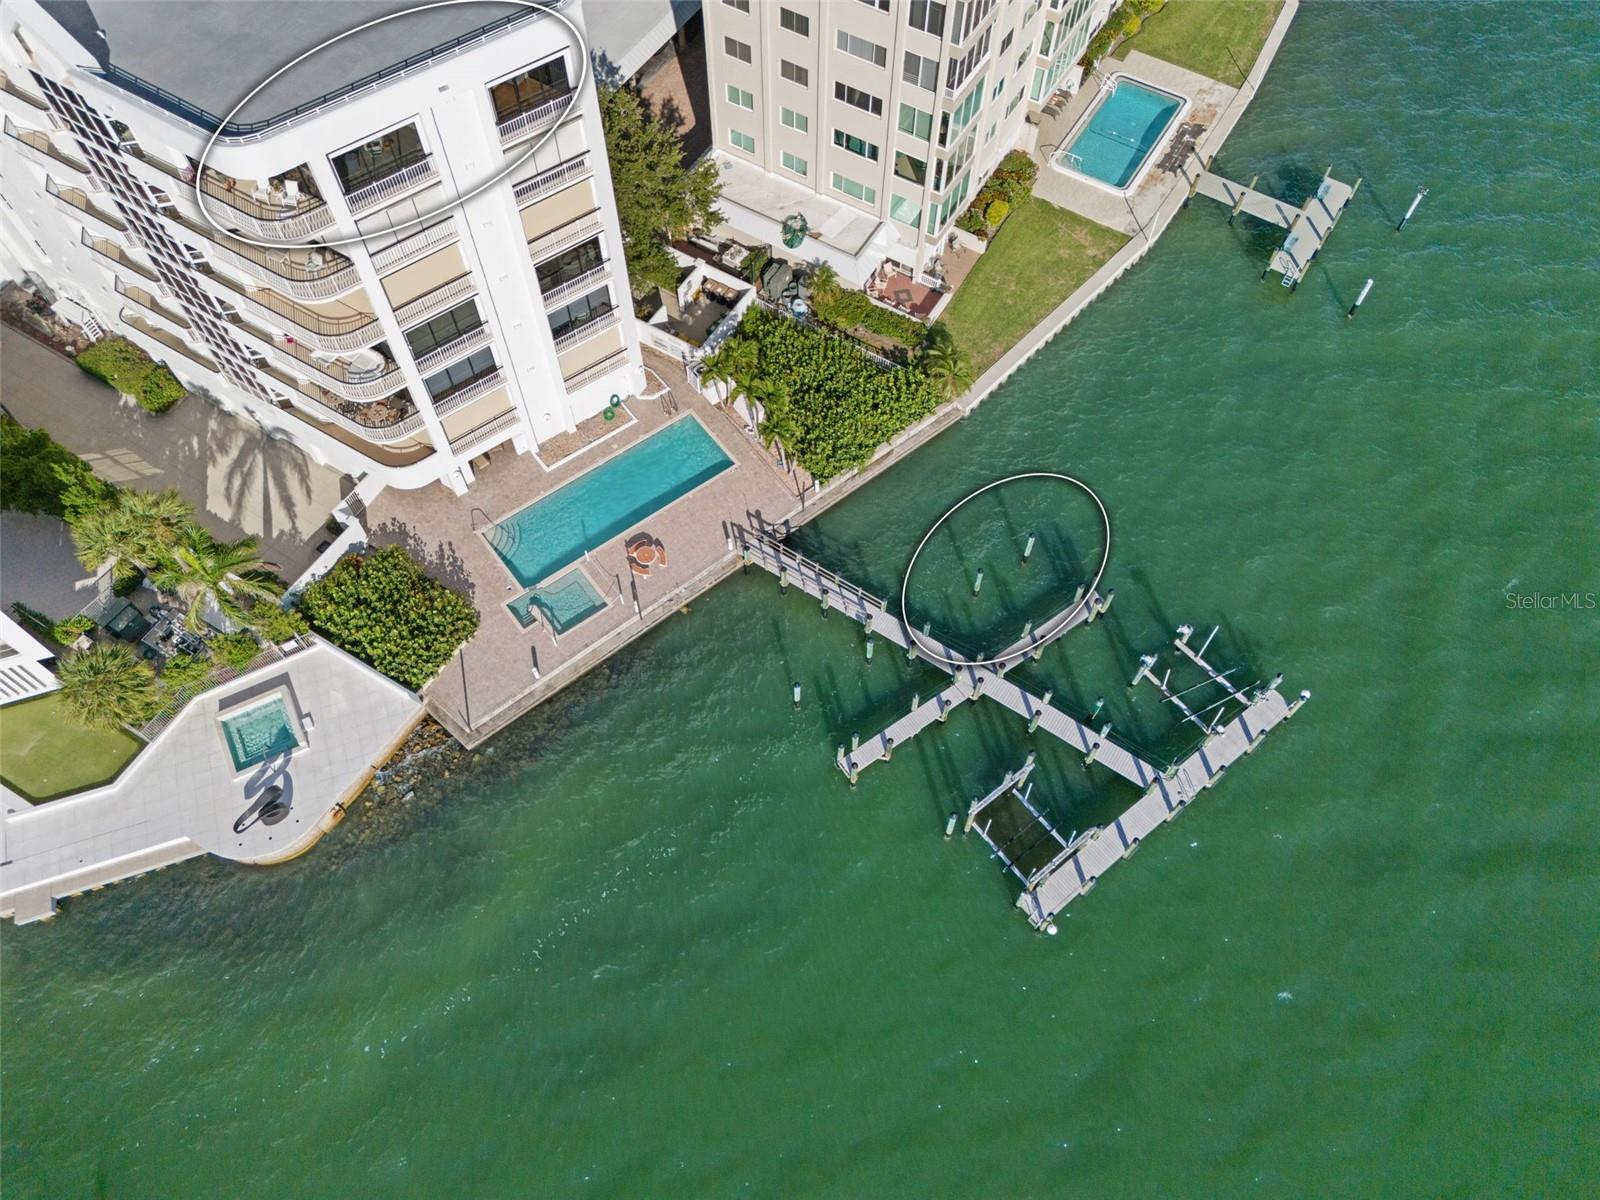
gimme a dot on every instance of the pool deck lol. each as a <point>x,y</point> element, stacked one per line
<point>1133,212</point>
<point>491,681</point>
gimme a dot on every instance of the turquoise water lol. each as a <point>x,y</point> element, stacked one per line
<point>565,602</point>
<point>652,945</point>
<point>1121,133</point>
<point>557,529</point>
<point>258,733</point>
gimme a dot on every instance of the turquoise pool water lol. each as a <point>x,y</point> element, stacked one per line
<point>258,733</point>
<point>552,532</point>
<point>1121,133</point>
<point>564,602</point>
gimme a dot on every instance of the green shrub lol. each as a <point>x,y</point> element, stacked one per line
<point>33,620</point>
<point>41,475</point>
<point>184,673</point>
<point>888,323</point>
<point>159,390</point>
<point>133,372</point>
<point>997,212</point>
<point>68,631</point>
<point>384,609</point>
<point>841,404</point>
<point>842,309</point>
<point>106,686</point>
<point>277,624</point>
<point>236,650</point>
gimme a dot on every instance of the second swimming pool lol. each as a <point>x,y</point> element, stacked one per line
<point>556,530</point>
<point>1122,131</point>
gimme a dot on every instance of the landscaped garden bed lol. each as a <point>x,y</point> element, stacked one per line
<point>133,373</point>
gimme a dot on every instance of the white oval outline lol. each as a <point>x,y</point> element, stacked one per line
<point>577,89</point>
<point>905,582</point>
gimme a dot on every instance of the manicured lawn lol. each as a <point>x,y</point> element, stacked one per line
<point>1199,34</point>
<point>43,755</point>
<point>1039,258</point>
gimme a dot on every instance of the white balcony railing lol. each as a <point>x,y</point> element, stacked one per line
<point>416,246</point>
<point>323,287</point>
<point>570,234</point>
<point>535,119</point>
<point>593,329</point>
<point>487,433</point>
<point>555,178</point>
<point>440,298</point>
<point>608,364</point>
<point>391,186</point>
<point>575,285</point>
<point>399,431</point>
<point>456,348</point>
<point>472,391</point>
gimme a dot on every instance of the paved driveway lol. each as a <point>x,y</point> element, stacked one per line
<point>227,467</point>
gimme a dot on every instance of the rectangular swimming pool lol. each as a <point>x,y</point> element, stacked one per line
<point>555,531</point>
<point>565,602</point>
<point>1121,133</point>
<point>258,733</point>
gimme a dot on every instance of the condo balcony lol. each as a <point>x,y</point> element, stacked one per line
<point>170,340</point>
<point>333,326</point>
<point>531,102</point>
<point>417,245</point>
<point>382,170</point>
<point>79,199</point>
<point>358,376</point>
<point>38,147</point>
<point>536,187</point>
<point>15,90</point>
<point>118,256</point>
<point>149,300</point>
<point>614,361</point>
<point>392,419</point>
<point>282,208</point>
<point>303,272</point>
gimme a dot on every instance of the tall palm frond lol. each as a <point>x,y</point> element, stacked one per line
<point>199,568</point>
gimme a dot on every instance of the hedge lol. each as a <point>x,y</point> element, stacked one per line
<point>843,403</point>
<point>133,372</point>
<point>384,609</point>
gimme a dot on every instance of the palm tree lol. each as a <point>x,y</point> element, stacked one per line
<point>824,284</point>
<point>736,364</point>
<point>131,532</point>
<point>945,364</point>
<point>105,687</point>
<point>200,569</point>
<point>778,426</point>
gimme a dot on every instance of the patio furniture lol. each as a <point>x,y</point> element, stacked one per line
<point>644,552</point>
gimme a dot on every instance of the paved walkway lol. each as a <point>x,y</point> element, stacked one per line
<point>227,467</point>
<point>492,680</point>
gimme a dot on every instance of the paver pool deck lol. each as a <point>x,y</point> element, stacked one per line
<point>491,681</point>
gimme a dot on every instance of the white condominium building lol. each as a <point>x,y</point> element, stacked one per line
<point>876,121</point>
<point>393,333</point>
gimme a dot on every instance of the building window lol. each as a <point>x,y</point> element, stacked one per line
<point>525,92</point>
<point>581,312</point>
<point>569,264</point>
<point>456,376</point>
<point>961,68</point>
<point>914,121</point>
<point>446,327</point>
<point>740,98</point>
<point>798,122</point>
<point>928,16</point>
<point>850,187</point>
<point>794,72</point>
<point>792,162</point>
<point>924,72</point>
<point>742,140</point>
<point>741,5</point>
<point>907,212</point>
<point>861,48</point>
<point>850,142</point>
<point>734,48</point>
<point>880,5</point>
<point>794,22</point>
<point>856,98</point>
<point>379,158</point>
<point>912,170</point>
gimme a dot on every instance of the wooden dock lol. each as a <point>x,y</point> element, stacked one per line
<point>1309,224</point>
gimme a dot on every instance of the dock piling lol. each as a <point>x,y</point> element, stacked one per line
<point>977,582</point>
<point>1365,288</point>
<point>1099,703</point>
<point>869,647</point>
<point>1415,201</point>
<point>797,693</point>
<point>1027,550</point>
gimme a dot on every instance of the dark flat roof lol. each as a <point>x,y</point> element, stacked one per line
<point>210,53</point>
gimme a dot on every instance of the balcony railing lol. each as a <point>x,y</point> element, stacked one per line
<point>526,123</point>
<point>308,275</point>
<point>490,431</point>
<point>593,371</point>
<point>118,255</point>
<point>467,393</point>
<point>390,187</point>
<point>257,213</point>
<point>169,340</point>
<point>455,348</point>
<point>440,298</point>
<point>579,229</point>
<point>590,329</point>
<point>416,246</point>
<point>322,331</point>
<point>555,178</point>
<point>43,151</point>
<point>151,301</point>
<point>79,199</point>
<point>344,382</point>
<point>12,87</point>
<point>380,424</point>
<point>565,291</point>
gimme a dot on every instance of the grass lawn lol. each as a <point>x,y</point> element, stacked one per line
<point>1199,34</point>
<point>1039,258</point>
<point>44,755</point>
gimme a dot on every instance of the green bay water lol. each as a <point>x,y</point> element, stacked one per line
<point>649,943</point>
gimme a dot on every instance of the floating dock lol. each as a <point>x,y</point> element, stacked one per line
<point>1052,870</point>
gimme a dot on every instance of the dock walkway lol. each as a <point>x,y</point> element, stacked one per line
<point>1309,224</point>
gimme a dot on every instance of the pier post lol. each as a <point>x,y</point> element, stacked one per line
<point>783,580</point>
<point>797,693</point>
<point>1044,703</point>
<point>1145,663</point>
<point>888,747</point>
<point>1239,203</point>
<point>853,773</point>
<point>1099,703</point>
<point>977,582</point>
<point>1295,706</point>
<point>824,592</point>
<point>1365,288</point>
<point>944,711</point>
<point>1416,200</point>
<point>1094,748</point>
<point>1184,634</point>
<point>916,701</point>
<point>1027,550</point>
<point>977,685</point>
<point>869,647</point>
<point>855,743</point>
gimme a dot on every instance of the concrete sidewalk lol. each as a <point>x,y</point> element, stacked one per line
<point>238,478</point>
